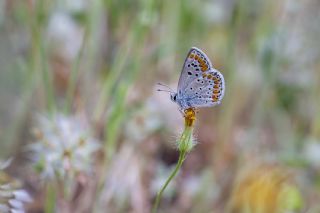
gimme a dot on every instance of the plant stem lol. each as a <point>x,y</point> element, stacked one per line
<point>74,74</point>
<point>182,155</point>
<point>50,199</point>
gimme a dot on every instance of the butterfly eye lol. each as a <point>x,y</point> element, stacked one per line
<point>173,97</point>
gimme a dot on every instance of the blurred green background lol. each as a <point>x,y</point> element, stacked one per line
<point>99,61</point>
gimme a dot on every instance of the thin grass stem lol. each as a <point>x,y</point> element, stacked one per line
<point>182,156</point>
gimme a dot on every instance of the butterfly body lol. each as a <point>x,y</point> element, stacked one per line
<point>183,101</point>
<point>200,85</point>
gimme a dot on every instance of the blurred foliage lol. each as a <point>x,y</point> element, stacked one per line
<point>99,61</point>
<point>265,188</point>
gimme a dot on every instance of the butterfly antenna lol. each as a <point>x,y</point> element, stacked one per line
<point>163,90</point>
<point>170,90</point>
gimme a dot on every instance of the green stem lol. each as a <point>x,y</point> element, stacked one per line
<point>50,199</point>
<point>182,155</point>
<point>47,78</point>
<point>74,74</point>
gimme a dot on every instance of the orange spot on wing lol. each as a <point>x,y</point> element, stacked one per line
<point>216,91</point>
<point>204,75</point>
<point>209,76</point>
<point>196,57</point>
<point>204,68</point>
<point>216,86</point>
<point>216,81</point>
<point>215,98</point>
<point>191,56</point>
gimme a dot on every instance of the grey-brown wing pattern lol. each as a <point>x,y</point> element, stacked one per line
<point>200,83</point>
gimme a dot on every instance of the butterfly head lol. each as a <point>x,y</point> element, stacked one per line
<point>173,97</point>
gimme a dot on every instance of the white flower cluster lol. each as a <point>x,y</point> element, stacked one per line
<point>12,197</point>
<point>64,146</point>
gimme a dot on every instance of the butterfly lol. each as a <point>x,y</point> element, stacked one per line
<point>200,85</point>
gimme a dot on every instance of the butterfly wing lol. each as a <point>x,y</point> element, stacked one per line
<point>200,83</point>
<point>195,63</point>
<point>207,90</point>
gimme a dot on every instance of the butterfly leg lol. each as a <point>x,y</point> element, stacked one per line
<point>182,111</point>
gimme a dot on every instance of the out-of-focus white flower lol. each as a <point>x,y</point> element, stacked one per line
<point>77,6</point>
<point>12,197</point>
<point>65,36</point>
<point>64,146</point>
<point>217,12</point>
<point>312,152</point>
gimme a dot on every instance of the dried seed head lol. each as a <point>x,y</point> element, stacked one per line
<point>65,147</point>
